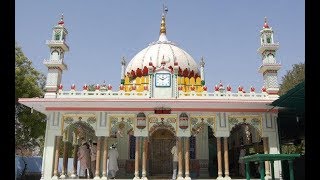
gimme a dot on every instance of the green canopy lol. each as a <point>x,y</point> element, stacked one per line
<point>293,99</point>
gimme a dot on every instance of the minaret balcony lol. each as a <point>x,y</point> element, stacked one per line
<point>58,43</point>
<point>268,46</point>
<point>273,66</point>
<point>55,64</point>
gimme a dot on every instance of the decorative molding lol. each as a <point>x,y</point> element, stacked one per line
<point>103,120</point>
<point>198,121</point>
<point>254,120</point>
<point>268,120</point>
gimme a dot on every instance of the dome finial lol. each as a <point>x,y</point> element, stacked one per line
<point>163,25</point>
<point>163,28</point>
<point>61,22</point>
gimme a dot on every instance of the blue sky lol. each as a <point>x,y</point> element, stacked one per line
<point>225,33</point>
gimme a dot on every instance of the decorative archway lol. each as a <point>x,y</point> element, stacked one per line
<point>162,139</point>
<point>243,135</point>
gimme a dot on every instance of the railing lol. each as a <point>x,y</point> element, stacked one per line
<point>102,94</point>
<point>146,94</point>
<point>57,42</point>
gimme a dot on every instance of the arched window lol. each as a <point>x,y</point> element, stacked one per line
<point>268,40</point>
<point>57,36</point>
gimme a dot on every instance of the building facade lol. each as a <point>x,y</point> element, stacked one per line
<point>162,100</point>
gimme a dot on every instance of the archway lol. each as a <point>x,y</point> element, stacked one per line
<point>161,142</point>
<point>244,136</point>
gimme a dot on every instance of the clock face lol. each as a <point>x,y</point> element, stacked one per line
<point>163,80</point>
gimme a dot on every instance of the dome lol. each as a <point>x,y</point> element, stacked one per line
<point>162,52</point>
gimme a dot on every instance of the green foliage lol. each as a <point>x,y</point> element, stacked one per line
<point>292,78</point>
<point>29,83</point>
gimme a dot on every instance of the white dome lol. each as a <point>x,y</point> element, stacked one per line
<point>162,50</point>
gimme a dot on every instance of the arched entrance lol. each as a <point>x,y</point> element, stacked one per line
<point>161,142</point>
<point>244,136</point>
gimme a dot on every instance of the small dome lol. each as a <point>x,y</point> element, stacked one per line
<point>162,53</point>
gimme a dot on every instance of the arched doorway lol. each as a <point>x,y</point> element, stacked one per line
<point>244,136</point>
<point>161,142</point>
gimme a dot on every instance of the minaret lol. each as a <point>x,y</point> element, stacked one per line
<point>123,65</point>
<point>269,67</point>
<point>203,82</point>
<point>56,63</point>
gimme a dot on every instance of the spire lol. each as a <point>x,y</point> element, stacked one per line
<point>163,25</point>
<point>265,23</point>
<point>163,29</point>
<point>61,22</point>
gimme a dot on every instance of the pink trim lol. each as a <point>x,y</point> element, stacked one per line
<point>152,109</point>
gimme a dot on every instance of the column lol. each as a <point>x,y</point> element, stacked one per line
<point>98,158</point>
<point>187,158</point>
<point>144,158</point>
<point>56,158</point>
<point>219,158</point>
<point>226,158</point>
<point>64,172</point>
<point>291,169</point>
<point>75,161</point>
<point>266,151</point>
<point>179,158</point>
<point>105,158</point>
<point>261,170</point>
<point>248,170</point>
<point>136,159</point>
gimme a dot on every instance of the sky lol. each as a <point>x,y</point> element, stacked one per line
<point>101,32</point>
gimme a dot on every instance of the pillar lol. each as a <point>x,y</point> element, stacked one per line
<point>75,161</point>
<point>226,158</point>
<point>144,158</point>
<point>136,159</point>
<point>266,151</point>
<point>64,172</point>
<point>97,173</point>
<point>187,159</point>
<point>56,157</point>
<point>219,159</point>
<point>179,158</point>
<point>105,158</point>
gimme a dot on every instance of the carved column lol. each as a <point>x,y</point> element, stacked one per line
<point>187,158</point>
<point>219,158</point>
<point>226,158</point>
<point>144,158</point>
<point>136,159</point>
<point>180,158</point>
<point>266,151</point>
<point>75,161</point>
<point>105,158</point>
<point>97,173</point>
<point>56,157</point>
<point>64,172</point>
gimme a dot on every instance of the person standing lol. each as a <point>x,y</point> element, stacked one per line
<point>174,152</point>
<point>113,156</point>
<point>93,154</point>
<point>84,158</point>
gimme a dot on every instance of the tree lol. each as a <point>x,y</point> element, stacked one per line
<point>29,126</point>
<point>292,78</point>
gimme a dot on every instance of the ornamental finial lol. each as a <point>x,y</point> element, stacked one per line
<point>265,23</point>
<point>61,22</point>
<point>123,61</point>
<point>202,63</point>
<point>163,25</point>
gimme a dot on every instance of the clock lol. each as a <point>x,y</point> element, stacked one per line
<point>163,80</point>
